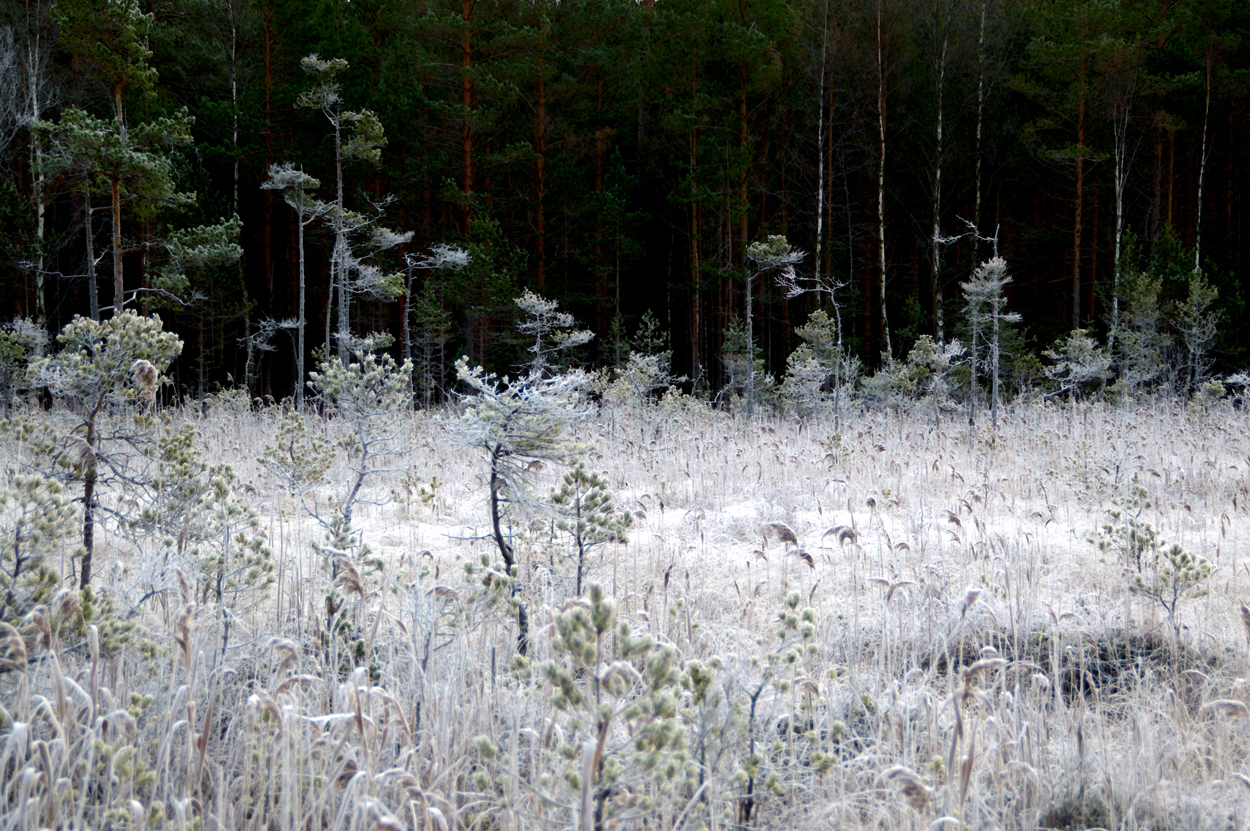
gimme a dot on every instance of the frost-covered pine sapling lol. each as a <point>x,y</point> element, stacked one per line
<point>295,185</point>
<point>986,302</point>
<point>764,256</point>
<point>924,373</point>
<point>205,531</point>
<point>551,329</point>
<point>588,515</point>
<point>34,513</point>
<point>624,752</point>
<point>746,376</point>
<point>802,388</point>
<point>519,422</point>
<point>22,342</point>
<point>1078,360</point>
<point>1126,534</point>
<point>782,668</point>
<point>346,555</point>
<point>647,369</point>
<point>819,284</point>
<point>365,142</point>
<point>821,336</point>
<point>1140,345</point>
<point>433,322</point>
<point>443,615</point>
<point>1198,324</point>
<point>1175,574</point>
<point>300,458</point>
<point>370,397</point>
<point>941,359</point>
<point>90,373</point>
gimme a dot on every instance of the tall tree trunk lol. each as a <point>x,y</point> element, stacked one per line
<point>466,103</point>
<point>1171,174</point>
<point>540,170</point>
<point>90,475</point>
<point>979,186</point>
<point>696,276</point>
<point>302,320</point>
<point>744,162</point>
<point>1156,190</point>
<point>268,194</point>
<point>338,260</point>
<point>1122,115</point>
<point>940,79</point>
<point>33,71</point>
<point>750,320</point>
<point>820,142</point>
<point>119,296</point>
<point>93,289</point>
<point>1079,200</point>
<point>601,262</point>
<point>505,549</point>
<point>881,120</point>
<point>1202,162</point>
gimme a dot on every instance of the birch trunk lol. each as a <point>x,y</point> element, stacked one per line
<point>1202,165</point>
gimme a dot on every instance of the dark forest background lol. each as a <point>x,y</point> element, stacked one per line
<point>619,157</point>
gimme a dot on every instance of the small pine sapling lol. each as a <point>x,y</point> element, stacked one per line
<point>1174,575</point>
<point>1127,535</point>
<point>623,746</point>
<point>349,560</point>
<point>443,614</point>
<point>829,365</point>
<point>551,329</point>
<point>357,237</point>
<point>433,322</point>
<point>1140,345</point>
<point>764,256</point>
<point>1198,325</point>
<point>1078,361</point>
<point>206,533</point>
<point>818,284</point>
<point>588,515</point>
<point>648,367</point>
<point>924,373</point>
<point>34,513</point>
<point>22,342</point>
<point>747,380</point>
<point>1166,574</point>
<point>300,458</point>
<point>802,388</point>
<point>986,303</point>
<point>519,422</point>
<point>370,397</point>
<point>91,374</point>
<point>366,401</point>
<point>296,185</point>
<point>783,669</point>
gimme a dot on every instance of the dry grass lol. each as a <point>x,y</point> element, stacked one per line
<point>979,663</point>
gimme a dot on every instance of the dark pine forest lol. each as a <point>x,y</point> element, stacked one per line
<point>619,157</point>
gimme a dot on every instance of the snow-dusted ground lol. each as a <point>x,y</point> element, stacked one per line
<point>891,498</point>
<point>909,541</point>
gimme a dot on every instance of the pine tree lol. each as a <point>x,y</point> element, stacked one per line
<point>985,303</point>
<point>90,373</point>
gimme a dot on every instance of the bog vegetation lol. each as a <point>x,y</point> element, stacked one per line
<point>590,600</point>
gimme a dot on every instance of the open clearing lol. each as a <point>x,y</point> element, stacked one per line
<point>921,553</point>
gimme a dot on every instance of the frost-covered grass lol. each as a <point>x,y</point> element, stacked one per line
<point>972,657</point>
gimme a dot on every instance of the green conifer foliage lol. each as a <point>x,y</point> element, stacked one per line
<point>588,515</point>
<point>90,374</point>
